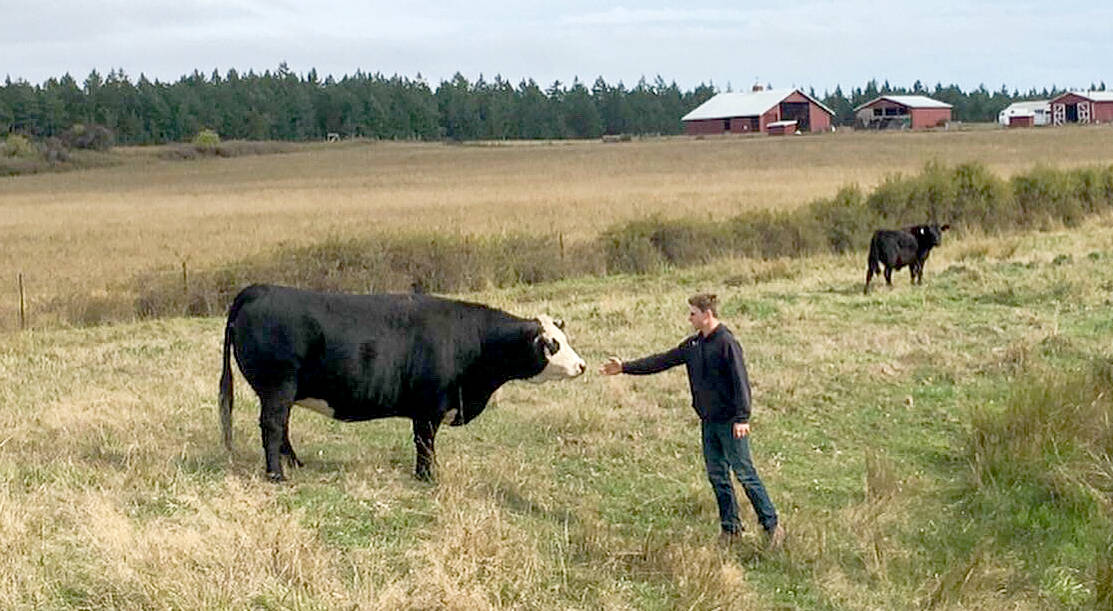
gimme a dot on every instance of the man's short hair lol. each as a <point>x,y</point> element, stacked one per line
<point>706,302</point>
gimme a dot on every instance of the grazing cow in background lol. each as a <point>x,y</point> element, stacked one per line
<point>360,357</point>
<point>896,249</point>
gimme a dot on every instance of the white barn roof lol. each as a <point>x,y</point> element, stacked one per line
<point>1032,106</point>
<point>910,101</point>
<point>744,104</point>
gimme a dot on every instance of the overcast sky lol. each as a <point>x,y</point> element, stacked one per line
<point>806,43</point>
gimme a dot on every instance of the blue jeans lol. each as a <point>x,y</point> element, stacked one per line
<point>723,453</point>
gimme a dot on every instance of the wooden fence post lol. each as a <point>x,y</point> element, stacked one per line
<point>22,305</point>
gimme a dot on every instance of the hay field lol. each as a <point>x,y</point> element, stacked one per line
<point>115,491</point>
<point>86,232</point>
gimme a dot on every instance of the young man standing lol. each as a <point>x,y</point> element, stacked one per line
<point>721,398</point>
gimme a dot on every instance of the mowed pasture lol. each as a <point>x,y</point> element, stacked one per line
<point>92,233</point>
<point>943,446</point>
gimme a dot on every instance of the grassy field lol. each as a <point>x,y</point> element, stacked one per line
<point>90,233</point>
<point>591,494</point>
<point>946,446</point>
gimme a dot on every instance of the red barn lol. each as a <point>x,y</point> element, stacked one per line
<point>1082,107</point>
<point>903,112</point>
<point>753,111</point>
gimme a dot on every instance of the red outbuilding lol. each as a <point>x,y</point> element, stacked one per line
<point>754,111</point>
<point>780,128</point>
<point>902,112</point>
<point>1082,107</point>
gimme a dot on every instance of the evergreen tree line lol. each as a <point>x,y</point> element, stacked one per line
<point>282,105</point>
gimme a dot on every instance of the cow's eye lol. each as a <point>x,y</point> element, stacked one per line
<point>553,346</point>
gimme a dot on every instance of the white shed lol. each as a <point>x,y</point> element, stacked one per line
<point>1039,110</point>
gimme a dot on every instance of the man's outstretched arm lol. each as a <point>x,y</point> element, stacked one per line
<point>647,365</point>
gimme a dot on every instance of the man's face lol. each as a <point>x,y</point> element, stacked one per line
<point>698,318</point>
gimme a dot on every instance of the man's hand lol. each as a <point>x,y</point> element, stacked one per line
<point>612,367</point>
<point>741,429</point>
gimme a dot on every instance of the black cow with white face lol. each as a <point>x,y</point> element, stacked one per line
<point>360,357</point>
<point>897,248</point>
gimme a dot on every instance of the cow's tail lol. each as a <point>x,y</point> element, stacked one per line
<point>227,396</point>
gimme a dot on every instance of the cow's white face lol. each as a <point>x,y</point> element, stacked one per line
<point>563,361</point>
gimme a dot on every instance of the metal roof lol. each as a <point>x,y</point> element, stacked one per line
<point>1028,107</point>
<point>1093,96</point>
<point>910,101</point>
<point>745,104</point>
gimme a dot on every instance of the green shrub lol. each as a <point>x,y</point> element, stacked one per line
<point>19,146</point>
<point>91,137</point>
<point>889,200</point>
<point>206,139</point>
<point>932,198</point>
<point>1045,194</point>
<point>981,199</point>
<point>846,220</point>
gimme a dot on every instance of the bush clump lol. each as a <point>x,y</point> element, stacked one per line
<point>385,263</point>
<point>88,137</point>
<point>228,148</point>
<point>967,196</point>
<point>18,146</point>
<point>206,139</point>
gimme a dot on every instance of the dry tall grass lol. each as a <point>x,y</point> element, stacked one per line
<point>77,233</point>
<point>115,491</point>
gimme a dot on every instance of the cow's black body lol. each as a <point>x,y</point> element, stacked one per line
<point>899,248</point>
<point>371,356</point>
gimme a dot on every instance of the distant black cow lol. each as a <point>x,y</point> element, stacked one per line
<point>360,357</point>
<point>895,249</point>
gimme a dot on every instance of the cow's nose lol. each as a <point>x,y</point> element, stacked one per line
<point>581,367</point>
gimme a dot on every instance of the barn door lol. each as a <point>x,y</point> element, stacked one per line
<point>1058,114</point>
<point>1083,112</point>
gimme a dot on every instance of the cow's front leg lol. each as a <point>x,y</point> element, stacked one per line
<point>425,430</point>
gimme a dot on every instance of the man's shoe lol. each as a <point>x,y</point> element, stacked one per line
<point>775,539</point>
<point>727,539</point>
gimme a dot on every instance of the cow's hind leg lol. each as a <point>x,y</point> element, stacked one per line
<point>425,431</point>
<point>287,450</point>
<point>274,420</point>
<point>889,276</point>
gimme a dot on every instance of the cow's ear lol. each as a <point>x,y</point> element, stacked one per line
<point>558,323</point>
<point>944,227</point>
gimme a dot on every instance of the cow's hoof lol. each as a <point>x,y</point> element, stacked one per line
<point>425,476</point>
<point>275,477</point>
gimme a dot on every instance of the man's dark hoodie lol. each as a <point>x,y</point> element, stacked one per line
<point>716,373</point>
